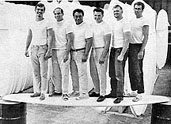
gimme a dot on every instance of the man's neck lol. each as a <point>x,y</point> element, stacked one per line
<point>39,18</point>
<point>60,20</point>
<point>119,18</point>
<point>139,16</point>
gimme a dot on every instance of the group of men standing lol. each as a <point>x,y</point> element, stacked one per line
<point>72,45</point>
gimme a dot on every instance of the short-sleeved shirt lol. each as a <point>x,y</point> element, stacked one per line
<point>39,32</point>
<point>118,30</point>
<point>81,32</point>
<point>137,29</point>
<point>99,31</point>
<point>61,30</point>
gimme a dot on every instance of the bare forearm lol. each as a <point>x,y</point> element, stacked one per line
<point>88,46</point>
<point>127,36</point>
<point>70,38</point>
<point>50,39</point>
<point>144,44</point>
<point>125,48</point>
<point>28,41</point>
<point>107,45</point>
<point>145,33</point>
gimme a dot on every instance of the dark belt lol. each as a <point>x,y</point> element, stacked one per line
<point>76,50</point>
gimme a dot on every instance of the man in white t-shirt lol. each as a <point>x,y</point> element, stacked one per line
<point>61,54</point>
<point>118,54</point>
<point>140,31</point>
<point>80,51</point>
<point>101,43</point>
<point>40,37</point>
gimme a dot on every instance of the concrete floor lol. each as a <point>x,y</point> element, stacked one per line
<point>43,114</point>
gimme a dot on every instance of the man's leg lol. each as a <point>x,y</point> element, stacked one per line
<point>43,72</point>
<point>74,76</point>
<point>119,70</point>
<point>94,76</point>
<point>36,72</point>
<point>57,78</point>
<point>135,69</point>
<point>64,67</point>
<point>113,81</point>
<point>82,74</point>
<point>101,68</point>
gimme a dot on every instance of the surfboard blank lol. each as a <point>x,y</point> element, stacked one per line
<point>147,99</point>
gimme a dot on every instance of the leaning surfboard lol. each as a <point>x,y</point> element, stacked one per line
<point>162,37</point>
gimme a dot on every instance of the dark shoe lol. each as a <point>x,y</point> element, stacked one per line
<point>35,95</point>
<point>110,96</point>
<point>55,94</point>
<point>42,96</point>
<point>94,94</point>
<point>101,98</point>
<point>118,100</point>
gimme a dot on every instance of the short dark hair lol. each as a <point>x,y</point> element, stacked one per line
<point>40,5</point>
<point>62,11</point>
<point>79,11</point>
<point>116,6</point>
<point>98,10</point>
<point>140,4</point>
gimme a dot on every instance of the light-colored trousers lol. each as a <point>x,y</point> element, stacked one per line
<point>40,67</point>
<point>79,72</point>
<point>101,70</point>
<point>60,71</point>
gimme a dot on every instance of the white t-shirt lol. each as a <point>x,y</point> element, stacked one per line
<point>81,32</point>
<point>118,30</point>
<point>136,29</point>
<point>61,29</point>
<point>39,32</point>
<point>99,31</point>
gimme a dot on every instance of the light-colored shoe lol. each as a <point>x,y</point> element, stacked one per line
<point>132,94</point>
<point>137,98</point>
<point>42,96</point>
<point>82,96</point>
<point>74,94</point>
<point>65,97</point>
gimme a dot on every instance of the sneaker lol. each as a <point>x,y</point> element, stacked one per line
<point>110,95</point>
<point>82,96</point>
<point>132,94</point>
<point>42,96</point>
<point>118,100</point>
<point>65,97</point>
<point>137,98</point>
<point>101,98</point>
<point>55,94</point>
<point>35,95</point>
<point>74,94</point>
<point>94,94</point>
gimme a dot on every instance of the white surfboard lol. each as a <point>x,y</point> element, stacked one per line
<point>162,38</point>
<point>58,101</point>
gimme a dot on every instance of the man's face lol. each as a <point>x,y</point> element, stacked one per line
<point>78,17</point>
<point>138,10</point>
<point>40,11</point>
<point>98,16</point>
<point>117,12</point>
<point>58,15</point>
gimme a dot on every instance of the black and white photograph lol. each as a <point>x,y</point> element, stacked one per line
<point>85,62</point>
